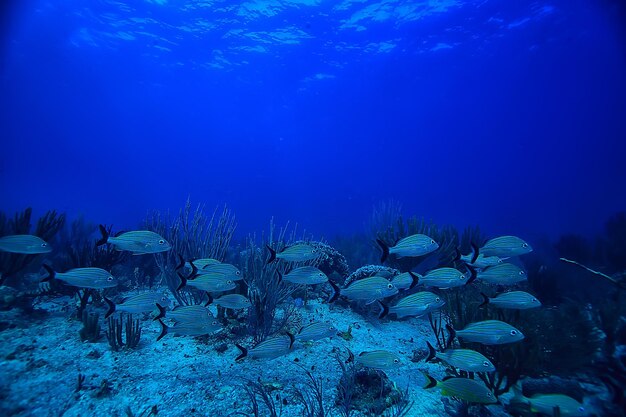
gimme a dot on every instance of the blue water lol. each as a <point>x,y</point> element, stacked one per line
<point>510,115</point>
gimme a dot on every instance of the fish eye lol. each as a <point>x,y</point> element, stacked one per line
<point>513,332</point>
<point>462,276</point>
<point>229,282</point>
<point>486,364</point>
<point>390,285</point>
<point>489,395</point>
<point>161,242</point>
<point>432,242</point>
<point>109,278</point>
<point>314,250</point>
<point>238,273</point>
<point>581,409</point>
<point>396,361</point>
<point>522,272</point>
<point>215,323</point>
<point>534,300</point>
<point>437,299</point>
<point>44,244</point>
<point>524,245</point>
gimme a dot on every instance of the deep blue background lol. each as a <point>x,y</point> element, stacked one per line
<point>521,130</point>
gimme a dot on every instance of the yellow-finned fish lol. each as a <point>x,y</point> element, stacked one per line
<point>515,300</point>
<point>448,278</point>
<point>304,275</point>
<point>316,331</point>
<point>417,304</point>
<point>488,332</point>
<point>502,274</point>
<point>463,359</point>
<point>268,349</point>
<point>406,280</point>
<point>414,245</point>
<point>231,301</point>
<point>25,244</point>
<point>465,389</point>
<point>296,253</point>
<point>383,360</point>
<point>366,289</point>
<point>185,328</point>
<point>207,282</point>
<point>96,278</point>
<point>547,404</point>
<point>138,242</point>
<point>504,246</point>
<point>191,313</point>
<point>139,303</point>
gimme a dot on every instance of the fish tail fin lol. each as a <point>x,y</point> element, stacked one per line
<point>280,276</point>
<point>111,309</point>
<point>164,330</point>
<point>181,262</point>
<point>472,276</point>
<point>451,335</point>
<point>161,312</point>
<point>384,309</point>
<point>415,279</point>
<point>105,235</point>
<point>243,354</point>
<point>336,292</point>
<point>194,271</point>
<point>350,356</point>
<point>385,250</point>
<point>50,272</point>
<point>475,252</point>
<point>292,339</point>
<point>432,353</point>
<point>485,300</point>
<point>272,254</point>
<point>430,381</point>
<point>183,282</point>
<point>209,299</point>
<point>516,389</point>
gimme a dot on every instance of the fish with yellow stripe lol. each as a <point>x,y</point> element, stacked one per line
<point>269,348</point>
<point>464,359</point>
<point>417,304</point>
<point>366,289</point>
<point>24,244</point>
<point>465,389</point>
<point>410,246</point>
<point>95,278</point>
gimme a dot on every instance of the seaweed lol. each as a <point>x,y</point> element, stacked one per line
<point>311,397</point>
<point>131,328</point>
<point>151,410</point>
<point>346,387</point>
<point>91,327</point>
<point>255,391</point>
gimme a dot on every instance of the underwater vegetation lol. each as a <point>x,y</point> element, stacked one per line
<point>283,324</point>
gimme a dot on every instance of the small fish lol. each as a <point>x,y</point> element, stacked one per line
<point>229,271</point>
<point>505,246</point>
<point>191,313</point>
<point>139,242</point>
<point>296,253</point>
<point>366,289</point>
<point>414,245</point>
<point>95,278</point>
<point>203,262</point>
<point>232,301</point>
<point>199,328</point>
<point>268,349</point>
<point>547,403</point>
<point>26,244</point>
<point>305,275</point>
<point>502,274</point>
<point>517,300</point>
<point>448,278</point>
<point>316,331</point>
<point>207,282</point>
<point>488,332</point>
<point>463,359</point>
<point>405,280</point>
<point>381,360</point>
<point>139,303</point>
<point>417,304</point>
<point>464,389</point>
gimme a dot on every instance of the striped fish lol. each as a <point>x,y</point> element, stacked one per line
<point>295,253</point>
<point>405,280</point>
<point>481,261</point>
<point>381,360</point>
<point>414,245</point>
<point>139,241</point>
<point>202,262</point>
<point>305,275</point>
<point>463,359</point>
<point>504,246</point>
<point>26,244</point>
<point>502,274</point>
<point>547,403</point>
<point>207,282</point>
<point>517,300</point>
<point>316,331</point>
<point>366,289</point>
<point>268,349</point>
<point>417,304</point>
<point>447,278</point>
<point>232,301</point>
<point>191,313</point>
<point>199,328</point>
<point>229,271</point>
<point>488,332</point>
<point>465,389</point>
<point>139,303</point>
<point>95,278</point>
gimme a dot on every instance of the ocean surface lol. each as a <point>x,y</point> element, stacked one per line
<point>303,207</point>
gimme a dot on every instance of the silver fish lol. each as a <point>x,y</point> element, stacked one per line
<point>96,278</point>
<point>414,245</point>
<point>517,300</point>
<point>295,253</point>
<point>505,246</point>
<point>482,261</point>
<point>26,244</point>
<point>503,274</point>
<point>446,278</point>
<point>305,275</point>
<point>417,304</point>
<point>316,331</point>
<point>382,360</point>
<point>464,389</point>
<point>139,241</point>
<point>140,303</point>
<point>232,301</point>
<point>207,282</point>
<point>366,289</point>
<point>268,349</point>
<point>191,313</point>
<point>190,328</point>
<point>488,332</point>
<point>229,271</point>
<point>405,280</point>
<point>203,262</point>
<point>463,359</point>
<point>546,403</point>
